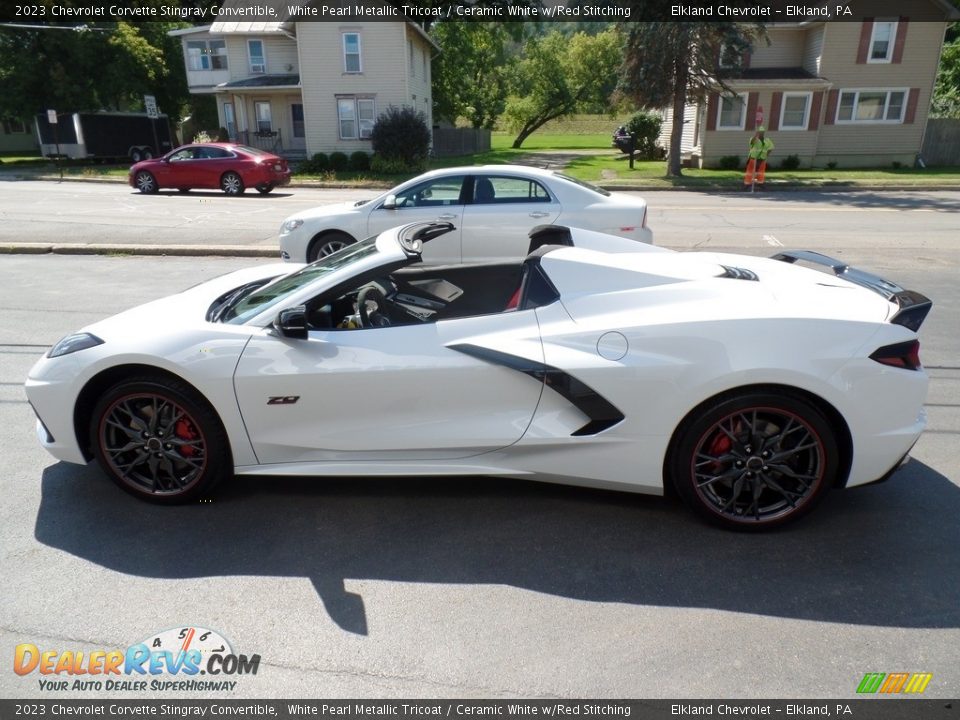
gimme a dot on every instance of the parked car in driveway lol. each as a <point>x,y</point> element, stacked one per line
<point>750,385</point>
<point>225,166</point>
<point>492,207</point>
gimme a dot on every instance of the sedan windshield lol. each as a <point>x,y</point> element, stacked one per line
<point>274,293</point>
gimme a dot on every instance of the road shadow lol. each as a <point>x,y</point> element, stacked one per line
<point>886,555</point>
<point>250,193</point>
<point>918,199</point>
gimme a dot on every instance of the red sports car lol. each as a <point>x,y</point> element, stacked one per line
<point>230,167</point>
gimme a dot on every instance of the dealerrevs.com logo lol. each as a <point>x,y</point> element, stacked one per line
<point>179,659</point>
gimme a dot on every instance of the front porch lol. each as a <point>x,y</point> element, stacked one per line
<point>265,112</point>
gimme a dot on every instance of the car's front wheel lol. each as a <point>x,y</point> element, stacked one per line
<point>159,440</point>
<point>146,182</point>
<point>754,460</point>
<point>327,245</point>
<point>232,184</point>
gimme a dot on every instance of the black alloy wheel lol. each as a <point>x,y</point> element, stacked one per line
<point>157,439</point>
<point>755,461</point>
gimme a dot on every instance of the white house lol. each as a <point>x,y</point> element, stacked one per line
<point>299,88</point>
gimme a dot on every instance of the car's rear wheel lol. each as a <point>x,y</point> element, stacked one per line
<point>754,460</point>
<point>328,244</point>
<point>159,440</point>
<point>265,188</point>
<point>146,182</point>
<point>232,184</point>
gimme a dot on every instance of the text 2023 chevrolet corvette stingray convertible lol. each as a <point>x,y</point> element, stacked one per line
<point>751,385</point>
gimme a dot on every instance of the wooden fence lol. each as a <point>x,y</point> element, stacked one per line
<point>450,142</point>
<point>941,142</point>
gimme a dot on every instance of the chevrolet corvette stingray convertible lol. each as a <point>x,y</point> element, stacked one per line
<point>751,386</point>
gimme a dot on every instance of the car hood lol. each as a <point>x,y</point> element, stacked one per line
<point>185,309</point>
<point>333,209</point>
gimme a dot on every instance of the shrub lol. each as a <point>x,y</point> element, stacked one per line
<point>897,164</point>
<point>402,134</point>
<point>315,165</point>
<point>646,126</point>
<point>359,161</point>
<point>790,162</point>
<point>729,162</point>
<point>339,161</point>
<point>202,137</point>
<point>388,166</point>
<point>832,165</point>
<point>223,135</point>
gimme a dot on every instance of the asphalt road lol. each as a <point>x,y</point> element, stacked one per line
<point>481,587</point>
<point>75,212</point>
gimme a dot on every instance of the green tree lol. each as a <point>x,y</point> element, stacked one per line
<point>946,92</point>
<point>469,74</point>
<point>556,75</point>
<point>668,64</point>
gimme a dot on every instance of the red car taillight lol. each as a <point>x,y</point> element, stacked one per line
<point>904,355</point>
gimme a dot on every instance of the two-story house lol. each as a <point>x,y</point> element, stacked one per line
<point>841,93</point>
<point>299,88</point>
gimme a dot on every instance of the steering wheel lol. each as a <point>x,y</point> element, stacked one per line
<point>376,318</point>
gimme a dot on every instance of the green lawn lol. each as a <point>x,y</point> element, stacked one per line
<point>537,141</point>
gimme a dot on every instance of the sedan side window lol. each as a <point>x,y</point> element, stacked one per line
<point>185,154</point>
<point>439,192</point>
<point>490,189</point>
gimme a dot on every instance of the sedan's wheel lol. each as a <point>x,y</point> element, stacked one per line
<point>328,245</point>
<point>158,440</point>
<point>754,461</point>
<point>145,182</point>
<point>232,184</point>
<point>265,188</point>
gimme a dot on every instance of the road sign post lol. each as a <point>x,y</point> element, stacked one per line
<point>52,119</point>
<point>150,105</point>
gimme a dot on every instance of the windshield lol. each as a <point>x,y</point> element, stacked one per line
<point>581,183</point>
<point>274,293</point>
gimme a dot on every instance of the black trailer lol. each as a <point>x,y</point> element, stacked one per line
<point>104,135</point>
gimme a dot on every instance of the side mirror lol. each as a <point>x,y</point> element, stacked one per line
<point>390,203</point>
<point>292,323</point>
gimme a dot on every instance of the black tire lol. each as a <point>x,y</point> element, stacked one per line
<point>327,245</point>
<point>146,182</point>
<point>147,154</point>
<point>265,188</point>
<point>135,155</point>
<point>159,440</point>
<point>232,184</point>
<point>754,460</point>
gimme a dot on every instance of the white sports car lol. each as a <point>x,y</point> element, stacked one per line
<point>750,385</point>
<point>493,207</point>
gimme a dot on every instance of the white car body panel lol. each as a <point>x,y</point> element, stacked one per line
<point>653,332</point>
<point>485,232</point>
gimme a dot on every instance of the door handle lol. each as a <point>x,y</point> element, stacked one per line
<point>447,216</point>
<point>538,214</point>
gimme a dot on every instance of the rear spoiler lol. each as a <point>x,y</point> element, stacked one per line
<point>913,306</point>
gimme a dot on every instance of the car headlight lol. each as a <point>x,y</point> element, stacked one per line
<point>74,343</point>
<point>291,225</point>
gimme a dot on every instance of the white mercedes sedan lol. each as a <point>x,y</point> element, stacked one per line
<point>492,207</point>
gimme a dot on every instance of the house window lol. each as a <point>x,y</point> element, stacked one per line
<point>12,126</point>
<point>795,111</point>
<point>207,55</point>
<point>871,106</point>
<point>356,116</point>
<point>351,53</point>
<point>881,41</point>
<point>258,60</point>
<point>264,117</point>
<point>296,112</point>
<point>733,113</point>
<point>729,57</point>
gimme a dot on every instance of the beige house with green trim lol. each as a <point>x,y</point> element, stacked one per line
<point>853,93</point>
<point>299,88</point>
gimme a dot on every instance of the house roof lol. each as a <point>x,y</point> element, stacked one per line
<point>262,81</point>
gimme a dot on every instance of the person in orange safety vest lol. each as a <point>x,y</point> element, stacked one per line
<point>760,148</point>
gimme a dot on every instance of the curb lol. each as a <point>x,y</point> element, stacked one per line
<point>124,249</point>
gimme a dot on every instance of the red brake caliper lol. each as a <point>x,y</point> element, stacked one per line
<point>720,445</point>
<point>184,430</point>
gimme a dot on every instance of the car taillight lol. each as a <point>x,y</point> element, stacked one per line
<point>904,355</point>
